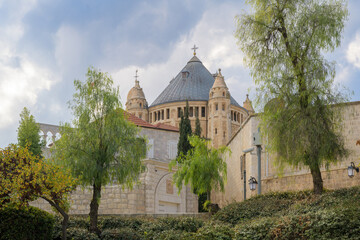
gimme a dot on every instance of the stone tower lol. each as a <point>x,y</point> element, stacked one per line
<point>219,127</point>
<point>136,102</point>
<point>248,106</point>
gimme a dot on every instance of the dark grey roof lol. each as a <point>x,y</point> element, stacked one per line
<point>195,87</point>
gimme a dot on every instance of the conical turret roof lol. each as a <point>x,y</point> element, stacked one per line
<point>219,81</point>
<point>193,83</point>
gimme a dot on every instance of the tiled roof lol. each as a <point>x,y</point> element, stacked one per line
<point>193,83</point>
<point>141,123</point>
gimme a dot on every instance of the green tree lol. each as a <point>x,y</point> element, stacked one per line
<point>28,133</point>
<point>25,177</point>
<point>203,167</point>
<point>185,131</point>
<point>197,127</point>
<point>284,42</point>
<point>202,197</point>
<point>102,147</point>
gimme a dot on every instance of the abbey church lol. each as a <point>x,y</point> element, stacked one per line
<point>209,99</point>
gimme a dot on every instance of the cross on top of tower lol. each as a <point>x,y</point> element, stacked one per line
<point>136,75</point>
<point>194,48</point>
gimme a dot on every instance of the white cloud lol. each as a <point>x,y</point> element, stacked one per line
<point>353,51</point>
<point>21,80</point>
<point>217,49</point>
<point>342,74</point>
<point>70,46</point>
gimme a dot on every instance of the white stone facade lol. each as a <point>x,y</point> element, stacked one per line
<point>154,194</point>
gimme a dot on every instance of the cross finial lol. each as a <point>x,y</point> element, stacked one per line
<point>194,48</point>
<point>136,75</point>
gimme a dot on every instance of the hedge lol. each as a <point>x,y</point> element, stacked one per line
<point>25,223</point>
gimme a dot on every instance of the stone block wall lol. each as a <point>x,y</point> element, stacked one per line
<point>290,178</point>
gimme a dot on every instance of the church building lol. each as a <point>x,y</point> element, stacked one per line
<point>209,99</point>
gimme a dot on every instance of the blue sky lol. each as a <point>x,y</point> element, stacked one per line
<point>45,45</point>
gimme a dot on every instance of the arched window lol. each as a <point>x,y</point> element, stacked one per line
<point>57,136</point>
<point>49,139</point>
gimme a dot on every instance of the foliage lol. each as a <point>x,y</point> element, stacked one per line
<point>116,222</point>
<point>203,167</point>
<point>81,234</point>
<point>284,43</point>
<point>28,133</point>
<point>261,206</point>
<point>120,234</point>
<point>185,131</point>
<point>215,230</point>
<point>103,147</point>
<point>25,223</point>
<point>285,215</point>
<point>25,177</point>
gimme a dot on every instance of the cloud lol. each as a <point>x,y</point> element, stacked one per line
<point>353,51</point>
<point>21,79</point>
<point>70,47</point>
<point>213,33</point>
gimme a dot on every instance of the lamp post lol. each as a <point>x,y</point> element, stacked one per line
<point>352,169</point>
<point>257,143</point>
<point>249,150</point>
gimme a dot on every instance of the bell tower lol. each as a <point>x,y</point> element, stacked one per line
<point>136,102</point>
<point>219,126</point>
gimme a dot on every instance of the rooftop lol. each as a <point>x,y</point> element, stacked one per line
<point>193,83</point>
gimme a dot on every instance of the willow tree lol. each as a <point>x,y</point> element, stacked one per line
<point>101,147</point>
<point>203,167</point>
<point>284,42</point>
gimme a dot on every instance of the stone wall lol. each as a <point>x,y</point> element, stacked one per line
<point>154,194</point>
<point>290,178</point>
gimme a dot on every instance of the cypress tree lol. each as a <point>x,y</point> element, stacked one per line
<point>185,131</point>
<point>28,133</point>
<point>197,127</point>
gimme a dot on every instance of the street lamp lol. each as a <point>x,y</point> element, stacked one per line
<point>252,183</point>
<point>351,169</point>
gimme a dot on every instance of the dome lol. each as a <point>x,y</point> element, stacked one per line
<point>136,92</point>
<point>193,83</point>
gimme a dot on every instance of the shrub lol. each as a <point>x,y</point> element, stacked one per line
<point>120,222</point>
<point>121,234</point>
<point>256,230</point>
<point>25,223</point>
<point>171,228</point>
<point>80,234</point>
<point>215,230</point>
<point>266,205</point>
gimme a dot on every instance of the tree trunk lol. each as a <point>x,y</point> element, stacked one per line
<point>65,220</point>
<point>208,196</point>
<point>94,207</point>
<point>317,179</point>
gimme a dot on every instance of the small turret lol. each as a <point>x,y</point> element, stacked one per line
<point>219,125</point>
<point>136,102</point>
<point>248,105</point>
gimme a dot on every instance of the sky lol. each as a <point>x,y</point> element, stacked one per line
<point>46,45</point>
